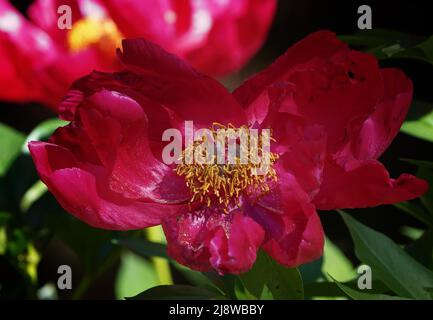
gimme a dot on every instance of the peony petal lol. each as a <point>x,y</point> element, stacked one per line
<point>301,146</point>
<point>328,84</point>
<point>175,84</point>
<point>294,234</point>
<point>217,37</point>
<point>204,239</point>
<point>381,127</point>
<point>23,50</point>
<point>81,191</point>
<point>366,185</point>
<point>238,31</point>
<point>117,127</point>
<point>321,44</point>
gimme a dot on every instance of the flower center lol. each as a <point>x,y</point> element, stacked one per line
<point>87,32</point>
<point>242,164</point>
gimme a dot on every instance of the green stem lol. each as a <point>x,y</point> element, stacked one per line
<point>162,266</point>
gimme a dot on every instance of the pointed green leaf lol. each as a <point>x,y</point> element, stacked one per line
<point>268,279</point>
<point>11,142</point>
<point>176,292</point>
<point>134,276</point>
<point>365,295</point>
<point>336,264</point>
<point>389,263</point>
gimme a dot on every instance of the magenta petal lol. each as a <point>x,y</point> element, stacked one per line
<point>118,128</point>
<point>24,50</point>
<point>366,185</point>
<point>83,193</point>
<point>237,252</point>
<point>381,127</point>
<point>203,240</point>
<point>175,84</point>
<point>293,232</point>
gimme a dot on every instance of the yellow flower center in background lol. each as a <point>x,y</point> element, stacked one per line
<point>102,33</point>
<point>222,185</point>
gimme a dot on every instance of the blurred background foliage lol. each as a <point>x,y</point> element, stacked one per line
<point>36,235</point>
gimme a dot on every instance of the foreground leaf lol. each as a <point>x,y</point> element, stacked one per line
<point>11,142</point>
<point>361,295</point>
<point>143,247</point>
<point>43,130</point>
<point>268,279</point>
<point>176,292</point>
<point>134,276</point>
<point>336,264</point>
<point>420,127</point>
<point>389,263</point>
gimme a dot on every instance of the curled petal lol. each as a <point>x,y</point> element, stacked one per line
<point>302,146</point>
<point>204,240</point>
<point>293,232</point>
<point>366,185</point>
<point>82,192</point>
<point>117,127</point>
<point>381,127</point>
<point>328,84</point>
<point>175,84</point>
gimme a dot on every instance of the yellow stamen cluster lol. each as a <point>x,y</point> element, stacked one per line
<point>100,32</point>
<point>223,184</point>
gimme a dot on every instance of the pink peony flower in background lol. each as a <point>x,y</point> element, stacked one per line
<point>332,112</point>
<point>39,61</point>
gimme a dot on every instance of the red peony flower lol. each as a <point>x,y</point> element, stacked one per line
<point>39,61</point>
<point>332,112</point>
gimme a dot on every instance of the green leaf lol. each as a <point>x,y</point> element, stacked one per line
<point>43,130</point>
<point>381,37</point>
<point>336,264</point>
<point>143,247</point>
<point>427,198</point>
<point>3,240</point>
<point>11,142</point>
<point>195,277</point>
<point>362,295</point>
<point>390,44</point>
<point>330,289</point>
<point>389,263</point>
<point>422,51</point>
<point>32,195</point>
<point>268,279</point>
<point>420,125</point>
<point>4,217</point>
<point>176,292</point>
<point>419,163</point>
<point>416,211</point>
<point>422,249</point>
<point>312,272</point>
<point>135,275</point>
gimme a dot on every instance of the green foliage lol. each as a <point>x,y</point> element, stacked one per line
<point>419,122</point>
<point>176,292</point>
<point>269,280</point>
<point>11,142</point>
<point>361,295</point>
<point>389,263</point>
<point>135,275</point>
<point>390,44</point>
